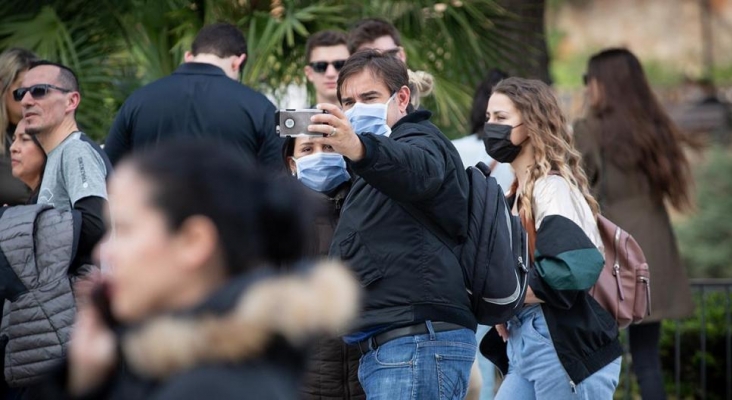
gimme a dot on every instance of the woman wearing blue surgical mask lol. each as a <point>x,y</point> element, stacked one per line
<point>333,367</point>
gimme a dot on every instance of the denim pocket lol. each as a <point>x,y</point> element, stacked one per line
<point>397,353</point>
<point>538,328</point>
<point>453,374</point>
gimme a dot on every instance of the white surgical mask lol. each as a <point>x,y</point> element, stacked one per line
<point>370,118</point>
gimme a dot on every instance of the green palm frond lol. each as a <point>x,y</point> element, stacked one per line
<point>118,45</point>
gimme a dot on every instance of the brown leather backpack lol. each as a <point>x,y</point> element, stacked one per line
<point>624,287</point>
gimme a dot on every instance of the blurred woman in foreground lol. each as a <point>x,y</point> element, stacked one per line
<point>192,301</point>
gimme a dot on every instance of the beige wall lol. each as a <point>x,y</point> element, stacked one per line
<point>659,30</point>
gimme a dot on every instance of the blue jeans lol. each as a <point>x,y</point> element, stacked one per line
<point>421,367</point>
<point>487,369</point>
<point>534,369</point>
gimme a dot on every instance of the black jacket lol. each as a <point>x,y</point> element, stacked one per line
<point>13,192</point>
<point>584,334</point>
<point>409,275</point>
<point>332,372</point>
<point>197,101</point>
<point>225,348</point>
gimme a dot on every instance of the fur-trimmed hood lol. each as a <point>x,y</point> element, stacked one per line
<point>296,307</point>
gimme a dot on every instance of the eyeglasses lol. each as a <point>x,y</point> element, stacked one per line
<point>321,66</point>
<point>36,91</point>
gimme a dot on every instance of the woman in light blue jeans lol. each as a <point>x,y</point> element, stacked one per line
<point>535,371</point>
<point>562,344</point>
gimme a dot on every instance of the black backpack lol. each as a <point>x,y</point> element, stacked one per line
<point>494,255</point>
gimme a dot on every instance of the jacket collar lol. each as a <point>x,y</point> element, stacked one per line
<point>196,68</point>
<point>243,320</point>
<point>413,117</point>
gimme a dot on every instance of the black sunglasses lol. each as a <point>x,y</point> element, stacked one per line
<point>322,66</point>
<point>36,91</point>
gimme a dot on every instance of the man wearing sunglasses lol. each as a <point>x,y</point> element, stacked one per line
<point>325,52</point>
<point>76,167</point>
<point>376,34</point>
<point>202,99</point>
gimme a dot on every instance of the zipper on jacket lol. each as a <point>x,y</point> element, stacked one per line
<point>522,265</point>
<point>616,265</point>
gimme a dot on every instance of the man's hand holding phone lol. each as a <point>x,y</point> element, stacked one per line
<point>337,132</point>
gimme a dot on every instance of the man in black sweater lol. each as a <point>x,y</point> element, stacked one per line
<point>202,99</point>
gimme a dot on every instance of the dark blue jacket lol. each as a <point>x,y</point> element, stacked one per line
<point>408,274</point>
<point>197,101</point>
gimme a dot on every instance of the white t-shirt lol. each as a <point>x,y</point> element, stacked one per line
<point>553,195</point>
<point>472,151</point>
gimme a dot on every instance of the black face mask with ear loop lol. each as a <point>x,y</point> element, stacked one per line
<point>497,141</point>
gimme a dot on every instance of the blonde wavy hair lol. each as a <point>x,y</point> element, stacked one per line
<point>420,85</point>
<point>549,134</point>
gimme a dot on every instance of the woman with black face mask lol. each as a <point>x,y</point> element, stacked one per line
<point>562,344</point>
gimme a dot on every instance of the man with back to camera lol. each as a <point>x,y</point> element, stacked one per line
<point>76,167</point>
<point>325,52</point>
<point>416,311</point>
<point>201,99</point>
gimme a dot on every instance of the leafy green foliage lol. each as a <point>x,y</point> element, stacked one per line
<point>704,237</point>
<point>691,355</point>
<point>118,46</point>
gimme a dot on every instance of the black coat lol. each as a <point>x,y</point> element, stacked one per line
<point>197,101</point>
<point>409,275</point>
<point>332,371</point>
<point>13,192</point>
<point>584,334</point>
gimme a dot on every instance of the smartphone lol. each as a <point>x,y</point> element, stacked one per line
<point>292,122</point>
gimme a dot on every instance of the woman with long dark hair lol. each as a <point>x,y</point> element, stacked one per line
<point>634,158</point>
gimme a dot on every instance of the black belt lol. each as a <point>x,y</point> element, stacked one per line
<point>375,341</point>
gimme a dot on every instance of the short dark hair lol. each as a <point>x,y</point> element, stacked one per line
<point>324,39</point>
<point>67,78</point>
<point>220,39</point>
<point>369,29</point>
<point>480,99</point>
<point>391,70</point>
<point>257,215</point>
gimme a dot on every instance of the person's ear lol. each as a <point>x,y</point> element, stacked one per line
<point>237,63</point>
<point>196,242</point>
<point>402,54</point>
<point>309,72</point>
<point>73,100</point>
<point>293,165</point>
<point>188,57</point>
<point>402,98</point>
